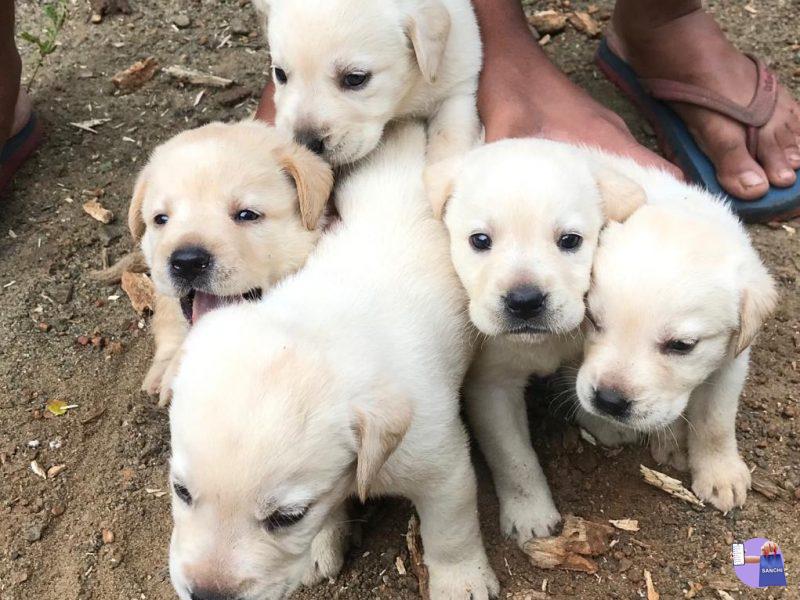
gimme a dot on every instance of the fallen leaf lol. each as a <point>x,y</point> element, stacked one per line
<point>136,75</point>
<point>548,21</point>
<point>59,407</point>
<point>55,470</point>
<point>670,485</point>
<point>652,594</point>
<point>579,539</point>
<point>414,545</point>
<point>38,470</point>
<point>583,22</point>
<point>625,524</point>
<point>193,77</point>
<point>140,290</point>
<point>97,211</point>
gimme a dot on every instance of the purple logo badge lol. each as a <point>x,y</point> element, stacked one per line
<point>759,563</point>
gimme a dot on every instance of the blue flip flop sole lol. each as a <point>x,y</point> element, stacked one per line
<point>678,144</point>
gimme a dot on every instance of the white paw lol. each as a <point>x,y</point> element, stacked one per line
<point>668,453</point>
<point>152,381</point>
<point>466,580</point>
<point>722,480</point>
<point>327,554</point>
<point>526,517</point>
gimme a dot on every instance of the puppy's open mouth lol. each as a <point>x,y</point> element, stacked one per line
<point>196,303</point>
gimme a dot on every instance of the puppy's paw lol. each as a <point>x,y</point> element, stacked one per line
<point>155,375</point>
<point>722,480</point>
<point>526,517</point>
<point>327,554</point>
<point>466,580</point>
<point>669,453</point>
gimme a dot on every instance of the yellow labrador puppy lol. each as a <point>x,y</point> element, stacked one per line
<point>343,380</point>
<point>222,213</point>
<point>677,298</point>
<point>344,69</point>
<point>524,218</point>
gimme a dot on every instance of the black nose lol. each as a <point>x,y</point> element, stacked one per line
<point>311,139</point>
<point>612,402</point>
<point>187,264</point>
<point>525,302</point>
<point>212,595</point>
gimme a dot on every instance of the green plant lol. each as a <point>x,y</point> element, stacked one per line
<point>55,15</point>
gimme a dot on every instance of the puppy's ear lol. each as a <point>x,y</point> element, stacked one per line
<point>757,301</point>
<point>621,195</point>
<point>440,180</point>
<point>312,177</point>
<point>379,430</point>
<point>428,28</point>
<point>135,218</point>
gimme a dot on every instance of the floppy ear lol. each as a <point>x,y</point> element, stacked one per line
<point>313,179</point>
<point>757,301</point>
<point>621,195</point>
<point>379,430</point>
<point>135,217</point>
<point>440,180</point>
<point>428,28</point>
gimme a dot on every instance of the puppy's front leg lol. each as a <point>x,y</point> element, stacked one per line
<point>498,415</point>
<point>169,330</point>
<point>454,128</point>
<point>328,547</point>
<point>719,475</point>
<point>448,512</point>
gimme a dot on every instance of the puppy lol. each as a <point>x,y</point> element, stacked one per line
<point>678,295</point>
<point>343,380</point>
<point>343,69</point>
<point>524,218</point>
<point>222,213</point>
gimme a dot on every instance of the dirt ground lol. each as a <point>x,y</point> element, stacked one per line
<point>114,443</point>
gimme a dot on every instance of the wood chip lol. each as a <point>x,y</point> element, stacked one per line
<point>548,21</point>
<point>414,545</point>
<point>400,565</point>
<point>135,76</point>
<point>97,211</point>
<point>670,485</point>
<point>583,22</point>
<point>625,524</point>
<point>55,470</point>
<point>193,77</point>
<point>765,486</point>
<point>38,470</point>
<point>89,126</point>
<point>157,492</point>
<point>108,536</point>
<point>652,594</point>
<point>724,595</point>
<point>140,290</point>
<point>579,539</point>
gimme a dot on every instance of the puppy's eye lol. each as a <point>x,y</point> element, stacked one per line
<point>355,80</point>
<point>570,241</point>
<point>480,242</point>
<point>160,219</point>
<point>283,518</point>
<point>182,493</point>
<point>678,346</point>
<point>280,75</point>
<point>247,215</point>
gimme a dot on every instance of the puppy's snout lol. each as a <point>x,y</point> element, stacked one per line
<point>525,302</point>
<point>311,139</point>
<point>611,402</point>
<point>188,264</point>
<point>212,595</point>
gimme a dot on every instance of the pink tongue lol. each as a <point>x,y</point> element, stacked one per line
<point>204,303</point>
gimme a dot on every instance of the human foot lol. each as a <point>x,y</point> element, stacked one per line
<point>690,47</point>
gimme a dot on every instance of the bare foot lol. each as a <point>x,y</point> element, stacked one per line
<point>691,48</point>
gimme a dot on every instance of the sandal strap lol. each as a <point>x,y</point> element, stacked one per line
<point>753,116</point>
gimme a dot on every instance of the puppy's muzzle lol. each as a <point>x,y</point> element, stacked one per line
<point>189,265</point>
<point>524,308</point>
<point>612,403</point>
<point>311,139</point>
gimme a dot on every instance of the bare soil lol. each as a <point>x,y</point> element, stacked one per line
<point>115,443</point>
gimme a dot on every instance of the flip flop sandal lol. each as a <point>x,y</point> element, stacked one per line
<point>677,143</point>
<point>18,149</point>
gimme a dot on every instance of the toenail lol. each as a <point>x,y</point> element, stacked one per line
<point>785,174</point>
<point>750,179</point>
<point>794,156</point>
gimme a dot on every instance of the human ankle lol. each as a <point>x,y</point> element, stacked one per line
<point>634,20</point>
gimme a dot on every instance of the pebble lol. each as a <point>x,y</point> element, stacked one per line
<point>34,532</point>
<point>61,293</point>
<point>57,510</point>
<point>624,565</point>
<point>239,27</point>
<point>789,411</point>
<point>182,21</point>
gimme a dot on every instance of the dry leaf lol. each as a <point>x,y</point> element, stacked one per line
<point>38,470</point>
<point>670,485</point>
<point>97,211</point>
<point>401,567</point>
<point>59,407</point>
<point>583,22</point>
<point>136,75</point>
<point>625,524</point>
<point>548,21</point>
<point>579,539</point>
<point>193,77</point>
<point>414,545</point>
<point>55,470</point>
<point>652,594</point>
<point>140,290</point>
